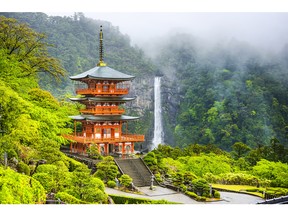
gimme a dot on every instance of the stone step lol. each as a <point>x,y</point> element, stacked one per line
<point>137,170</point>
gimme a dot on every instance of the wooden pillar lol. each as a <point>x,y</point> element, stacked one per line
<point>132,147</point>
<point>123,148</point>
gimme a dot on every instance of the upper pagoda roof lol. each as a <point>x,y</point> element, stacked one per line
<point>103,99</point>
<point>103,73</point>
<point>103,118</point>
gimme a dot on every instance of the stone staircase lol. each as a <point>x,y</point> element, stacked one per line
<point>137,170</point>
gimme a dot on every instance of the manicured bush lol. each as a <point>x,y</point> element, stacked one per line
<point>183,187</point>
<point>201,187</point>
<point>68,199</point>
<point>216,194</point>
<point>111,184</point>
<point>158,177</point>
<point>252,190</point>
<point>125,180</point>
<point>23,168</point>
<point>201,199</point>
<point>132,200</point>
<point>191,194</point>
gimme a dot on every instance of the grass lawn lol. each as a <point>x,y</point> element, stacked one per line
<point>239,188</point>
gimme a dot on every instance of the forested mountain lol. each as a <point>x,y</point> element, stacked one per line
<point>75,43</point>
<point>227,96</point>
<point>213,93</point>
<point>223,93</point>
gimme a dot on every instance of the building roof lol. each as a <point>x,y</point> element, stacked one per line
<point>103,99</point>
<point>102,73</point>
<point>104,118</point>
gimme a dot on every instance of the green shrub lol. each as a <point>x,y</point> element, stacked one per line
<point>68,199</point>
<point>201,199</point>
<point>132,200</point>
<point>158,177</point>
<point>216,194</point>
<point>111,184</point>
<point>23,168</point>
<point>191,194</point>
<point>183,187</point>
<point>125,180</point>
<point>252,190</point>
<point>201,187</point>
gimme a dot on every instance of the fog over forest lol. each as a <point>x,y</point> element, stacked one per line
<point>267,30</point>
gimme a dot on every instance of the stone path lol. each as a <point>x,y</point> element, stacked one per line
<point>157,194</point>
<point>170,195</point>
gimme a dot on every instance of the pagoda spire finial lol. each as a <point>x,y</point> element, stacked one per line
<point>101,63</point>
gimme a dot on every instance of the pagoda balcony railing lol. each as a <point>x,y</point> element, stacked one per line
<point>122,138</point>
<point>104,111</point>
<point>88,91</point>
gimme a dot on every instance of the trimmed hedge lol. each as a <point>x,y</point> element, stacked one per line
<point>216,194</point>
<point>191,194</point>
<point>132,200</point>
<point>69,199</point>
<point>111,184</point>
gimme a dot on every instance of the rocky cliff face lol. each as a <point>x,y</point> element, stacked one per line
<point>143,88</point>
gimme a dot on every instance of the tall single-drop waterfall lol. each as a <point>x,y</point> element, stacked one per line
<point>158,130</point>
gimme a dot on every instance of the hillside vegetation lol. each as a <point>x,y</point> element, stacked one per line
<point>224,108</point>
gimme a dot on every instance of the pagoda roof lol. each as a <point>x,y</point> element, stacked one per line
<point>103,99</point>
<point>104,118</point>
<point>102,73</point>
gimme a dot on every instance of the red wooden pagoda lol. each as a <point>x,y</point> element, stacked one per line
<point>102,91</point>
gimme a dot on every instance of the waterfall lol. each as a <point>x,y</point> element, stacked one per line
<point>158,130</point>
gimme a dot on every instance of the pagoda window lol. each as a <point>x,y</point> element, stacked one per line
<point>105,88</point>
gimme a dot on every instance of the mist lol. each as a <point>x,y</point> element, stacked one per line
<point>263,30</point>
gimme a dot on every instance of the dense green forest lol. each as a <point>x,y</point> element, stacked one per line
<point>228,97</point>
<point>193,168</point>
<point>223,93</point>
<point>32,122</point>
<point>75,43</point>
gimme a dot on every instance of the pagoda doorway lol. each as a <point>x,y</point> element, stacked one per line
<point>111,148</point>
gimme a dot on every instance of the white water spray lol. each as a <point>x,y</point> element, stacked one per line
<point>158,130</point>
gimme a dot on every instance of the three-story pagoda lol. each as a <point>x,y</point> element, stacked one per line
<point>102,91</point>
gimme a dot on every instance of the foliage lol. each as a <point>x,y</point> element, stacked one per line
<point>276,172</point>
<point>107,169</point>
<point>53,178</point>
<point>209,163</point>
<point>85,187</point>
<point>201,187</point>
<point>111,184</point>
<point>78,49</point>
<point>28,48</point>
<point>216,194</point>
<point>132,200</point>
<point>125,180</point>
<point>239,149</point>
<point>224,93</point>
<point>23,168</point>
<point>93,152</point>
<point>151,161</point>
<point>19,189</point>
<point>238,179</point>
<point>68,199</point>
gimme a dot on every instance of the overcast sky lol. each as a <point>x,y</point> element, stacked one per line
<point>260,29</point>
<point>157,18</point>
